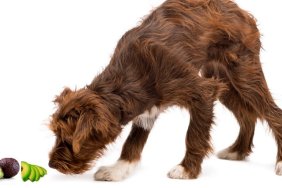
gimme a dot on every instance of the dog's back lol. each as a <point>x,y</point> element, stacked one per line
<point>198,31</point>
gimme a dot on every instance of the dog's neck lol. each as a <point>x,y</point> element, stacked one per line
<point>124,94</point>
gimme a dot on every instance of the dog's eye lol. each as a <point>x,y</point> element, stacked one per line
<point>65,118</point>
<point>68,145</point>
<point>75,113</point>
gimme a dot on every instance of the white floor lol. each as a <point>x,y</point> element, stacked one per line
<point>45,46</point>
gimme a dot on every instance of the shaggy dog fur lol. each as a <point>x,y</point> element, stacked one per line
<point>187,53</point>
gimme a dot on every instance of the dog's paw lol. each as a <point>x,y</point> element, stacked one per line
<point>278,168</point>
<point>228,155</point>
<point>116,172</point>
<point>178,172</point>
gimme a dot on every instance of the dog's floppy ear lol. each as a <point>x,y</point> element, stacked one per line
<point>87,123</point>
<point>64,94</point>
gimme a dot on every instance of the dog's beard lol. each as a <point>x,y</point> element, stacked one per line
<point>63,159</point>
<point>73,165</point>
<point>69,168</point>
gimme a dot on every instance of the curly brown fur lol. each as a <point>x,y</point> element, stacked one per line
<point>78,141</point>
<point>156,65</point>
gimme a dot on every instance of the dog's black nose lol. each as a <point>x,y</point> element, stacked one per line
<point>51,164</point>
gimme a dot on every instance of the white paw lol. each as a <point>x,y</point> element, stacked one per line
<point>117,172</point>
<point>178,172</point>
<point>226,154</point>
<point>278,168</point>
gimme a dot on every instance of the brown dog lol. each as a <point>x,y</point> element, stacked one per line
<point>157,65</point>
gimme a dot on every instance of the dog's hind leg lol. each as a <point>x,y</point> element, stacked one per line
<point>246,117</point>
<point>132,149</point>
<point>247,80</point>
<point>253,90</point>
<point>243,112</point>
<point>261,99</point>
<point>274,119</point>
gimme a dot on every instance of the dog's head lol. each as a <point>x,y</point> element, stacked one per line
<point>83,126</point>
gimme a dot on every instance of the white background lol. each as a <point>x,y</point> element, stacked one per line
<point>46,45</point>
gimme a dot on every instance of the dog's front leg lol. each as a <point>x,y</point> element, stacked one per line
<point>131,152</point>
<point>197,143</point>
<point>199,101</point>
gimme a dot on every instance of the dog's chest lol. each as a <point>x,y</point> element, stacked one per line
<point>147,119</point>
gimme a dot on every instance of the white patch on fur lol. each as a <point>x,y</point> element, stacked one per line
<point>117,172</point>
<point>278,168</point>
<point>147,119</point>
<point>226,154</point>
<point>178,172</point>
